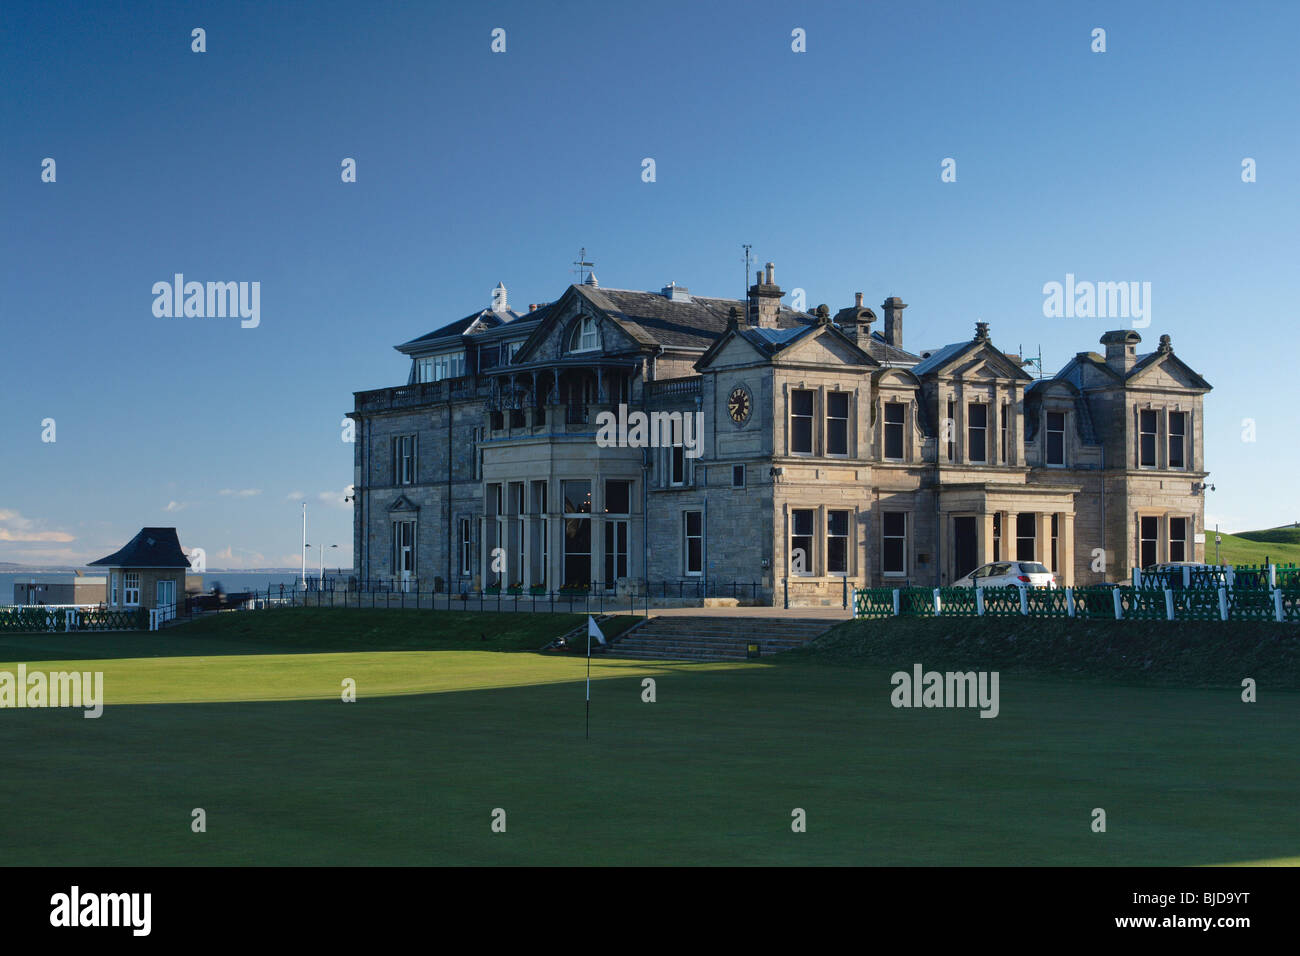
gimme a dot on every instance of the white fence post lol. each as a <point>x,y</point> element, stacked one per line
<point>1223,604</point>
<point>1187,576</point>
<point>1169,605</point>
<point>1137,577</point>
<point>855,602</point>
<point>1119,605</point>
<point>1069,602</point>
<point>938,604</point>
<point>1232,575</point>
<point>70,619</point>
<point>979,601</point>
<point>895,602</point>
<point>1272,575</point>
<point>1278,611</point>
<point>1024,601</point>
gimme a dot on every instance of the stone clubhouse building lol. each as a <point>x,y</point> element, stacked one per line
<point>823,449</point>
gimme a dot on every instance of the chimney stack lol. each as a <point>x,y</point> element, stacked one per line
<point>894,307</point>
<point>1121,349</point>
<point>765,300</point>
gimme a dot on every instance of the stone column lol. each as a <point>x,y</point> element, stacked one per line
<point>1065,548</point>
<point>984,529</point>
<point>1043,537</point>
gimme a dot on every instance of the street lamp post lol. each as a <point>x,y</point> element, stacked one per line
<point>322,561</point>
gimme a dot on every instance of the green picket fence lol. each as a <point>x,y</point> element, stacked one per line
<point>55,619</point>
<point>1090,603</point>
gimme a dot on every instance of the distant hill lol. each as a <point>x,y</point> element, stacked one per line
<point>1279,545</point>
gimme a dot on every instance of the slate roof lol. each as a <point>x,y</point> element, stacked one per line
<point>151,548</point>
<point>939,357</point>
<point>883,352</point>
<point>491,320</point>
<point>652,318</point>
<point>1082,413</point>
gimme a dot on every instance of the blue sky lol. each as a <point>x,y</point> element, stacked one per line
<point>475,167</point>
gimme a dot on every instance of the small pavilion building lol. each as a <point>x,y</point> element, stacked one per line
<point>149,572</point>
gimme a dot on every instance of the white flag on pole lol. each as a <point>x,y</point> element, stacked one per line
<point>593,630</point>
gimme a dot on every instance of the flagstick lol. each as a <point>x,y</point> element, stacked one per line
<point>588,686</point>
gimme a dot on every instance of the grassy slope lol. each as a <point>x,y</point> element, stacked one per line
<point>1179,653</point>
<point>1280,545</point>
<point>708,773</point>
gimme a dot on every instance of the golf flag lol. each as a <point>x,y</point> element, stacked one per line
<point>593,631</point>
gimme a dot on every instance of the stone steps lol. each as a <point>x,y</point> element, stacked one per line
<point>715,638</point>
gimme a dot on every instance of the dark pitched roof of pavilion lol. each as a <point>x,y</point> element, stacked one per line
<point>151,548</point>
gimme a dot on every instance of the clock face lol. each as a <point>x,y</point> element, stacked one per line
<point>739,405</point>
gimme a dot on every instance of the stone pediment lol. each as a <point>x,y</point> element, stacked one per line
<point>403,503</point>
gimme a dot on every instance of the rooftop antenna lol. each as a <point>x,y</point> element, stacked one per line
<point>582,264</point>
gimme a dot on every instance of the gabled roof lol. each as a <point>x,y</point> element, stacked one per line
<point>950,353</point>
<point>939,357</point>
<point>1164,355</point>
<point>651,318</point>
<point>151,548</point>
<point>484,319</point>
<point>769,342</point>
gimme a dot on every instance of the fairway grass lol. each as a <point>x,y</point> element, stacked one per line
<point>709,773</point>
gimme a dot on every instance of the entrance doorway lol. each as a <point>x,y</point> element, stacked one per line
<point>965,546</point>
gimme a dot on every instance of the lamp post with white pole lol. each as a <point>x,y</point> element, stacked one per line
<point>322,559</point>
<point>304,546</point>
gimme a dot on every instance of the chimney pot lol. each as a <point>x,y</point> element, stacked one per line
<point>857,299</point>
<point>894,307</point>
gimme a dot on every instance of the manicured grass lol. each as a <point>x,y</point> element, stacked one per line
<point>1181,653</point>
<point>1279,545</point>
<point>709,773</point>
<point>297,630</point>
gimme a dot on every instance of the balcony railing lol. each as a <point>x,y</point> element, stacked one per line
<point>422,393</point>
<point>675,386</point>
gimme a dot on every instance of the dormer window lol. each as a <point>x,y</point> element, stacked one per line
<point>585,337</point>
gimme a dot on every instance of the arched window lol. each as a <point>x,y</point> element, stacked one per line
<point>585,338</point>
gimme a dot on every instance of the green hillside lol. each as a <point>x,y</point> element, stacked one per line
<point>1279,545</point>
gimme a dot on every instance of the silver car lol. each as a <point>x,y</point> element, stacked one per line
<point>1008,574</point>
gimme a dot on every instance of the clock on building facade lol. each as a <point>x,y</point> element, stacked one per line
<point>740,404</point>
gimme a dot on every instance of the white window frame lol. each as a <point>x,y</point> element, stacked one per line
<point>847,536</point>
<point>585,336</point>
<point>131,589</point>
<point>116,580</point>
<point>886,424</point>
<point>811,418</point>
<point>404,463</point>
<point>887,537</point>
<point>810,570</point>
<point>848,424</point>
<point>972,428</point>
<point>687,537</point>
<point>1048,431</point>
<point>1185,540</point>
<point>1155,438</point>
<point>1182,439</point>
<point>466,554</point>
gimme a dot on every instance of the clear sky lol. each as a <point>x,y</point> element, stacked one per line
<point>475,167</point>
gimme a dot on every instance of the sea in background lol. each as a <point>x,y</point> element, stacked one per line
<point>230,581</point>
